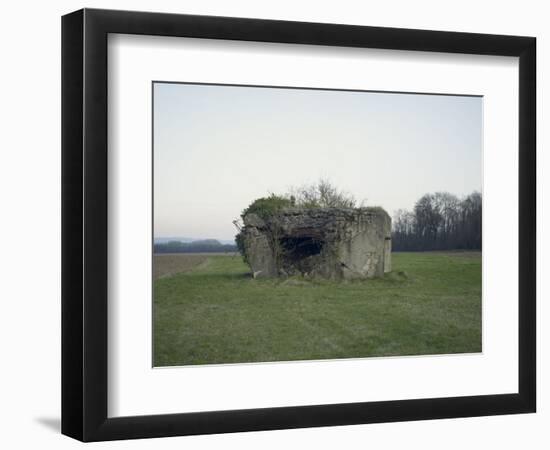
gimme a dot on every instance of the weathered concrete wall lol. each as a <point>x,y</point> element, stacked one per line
<point>259,254</point>
<point>326,242</point>
<point>387,253</point>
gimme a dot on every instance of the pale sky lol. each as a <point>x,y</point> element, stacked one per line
<point>218,148</point>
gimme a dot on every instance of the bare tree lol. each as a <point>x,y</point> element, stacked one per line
<point>428,219</point>
<point>403,230</point>
<point>322,194</point>
<point>439,221</point>
<point>448,206</point>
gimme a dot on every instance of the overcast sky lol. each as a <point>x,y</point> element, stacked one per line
<point>217,148</point>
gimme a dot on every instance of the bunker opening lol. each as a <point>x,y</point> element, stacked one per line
<point>298,248</point>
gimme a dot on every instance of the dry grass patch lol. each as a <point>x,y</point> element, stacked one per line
<point>170,264</point>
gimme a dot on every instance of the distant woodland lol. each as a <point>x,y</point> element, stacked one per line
<point>202,246</point>
<point>439,221</point>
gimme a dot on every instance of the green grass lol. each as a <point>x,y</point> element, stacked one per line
<point>216,313</point>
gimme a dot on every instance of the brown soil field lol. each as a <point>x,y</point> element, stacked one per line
<point>169,264</point>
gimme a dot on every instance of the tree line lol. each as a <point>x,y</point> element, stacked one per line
<point>439,221</point>
<point>202,246</point>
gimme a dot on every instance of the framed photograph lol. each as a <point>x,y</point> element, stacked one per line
<point>272,224</point>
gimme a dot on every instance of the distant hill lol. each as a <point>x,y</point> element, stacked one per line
<point>165,240</point>
<point>196,246</point>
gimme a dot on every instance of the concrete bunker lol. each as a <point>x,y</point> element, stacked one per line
<point>331,243</point>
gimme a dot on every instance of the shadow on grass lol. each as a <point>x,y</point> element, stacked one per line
<point>400,277</point>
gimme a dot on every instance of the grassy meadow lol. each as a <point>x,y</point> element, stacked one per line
<point>209,310</point>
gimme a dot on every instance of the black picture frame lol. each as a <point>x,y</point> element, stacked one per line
<point>84,224</point>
